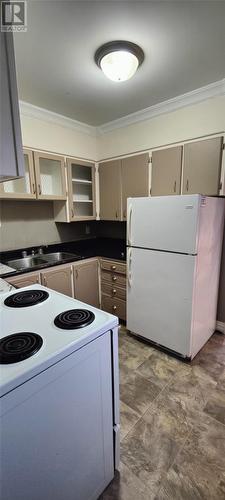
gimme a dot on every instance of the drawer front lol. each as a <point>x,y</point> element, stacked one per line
<point>114,306</point>
<point>113,291</point>
<point>116,279</point>
<point>113,266</point>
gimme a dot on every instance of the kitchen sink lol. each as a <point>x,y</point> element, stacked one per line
<point>33,261</point>
<point>27,262</point>
<point>59,256</point>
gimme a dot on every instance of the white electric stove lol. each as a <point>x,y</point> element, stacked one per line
<point>59,389</point>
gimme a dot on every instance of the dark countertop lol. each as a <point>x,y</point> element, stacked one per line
<point>86,248</point>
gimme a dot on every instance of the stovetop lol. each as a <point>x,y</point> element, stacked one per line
<point>41,319</point>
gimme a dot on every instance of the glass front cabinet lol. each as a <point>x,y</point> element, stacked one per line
<point>81,189</point>
<point>50,176</point>
<point>23,188</point>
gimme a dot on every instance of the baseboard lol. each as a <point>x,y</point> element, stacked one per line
<point>220,326</point>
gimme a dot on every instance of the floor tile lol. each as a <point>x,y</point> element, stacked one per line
<point>126,486</point>
<point>132,355</point>
<point>160,368</point>
<point>128,418</point>
<point>198,470</point>
<point>215,405</point>
<point>152,445</point>
<point>136,391</point>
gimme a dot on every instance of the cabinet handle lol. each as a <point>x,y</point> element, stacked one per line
<point>187,185</point>
<point>124,214</point>
<point>114,278</point>
<point>116,215</point>
<point>175,187</point>
<point>114,308</point>
<point>34,190</point>
<point>113,268</point>
<point>76,274</point>
<point>39,188</point>
<point>37,280</point>
<point>114,291</point>
<point>44,281</point>
<point>72,212</point>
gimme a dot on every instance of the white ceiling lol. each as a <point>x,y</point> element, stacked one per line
<point>183,41</point>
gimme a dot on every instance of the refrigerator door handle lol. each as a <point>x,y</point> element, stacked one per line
<point>129,224</point>
<point>129,267</point>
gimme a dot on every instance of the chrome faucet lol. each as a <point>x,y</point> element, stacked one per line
<point>24,254</point>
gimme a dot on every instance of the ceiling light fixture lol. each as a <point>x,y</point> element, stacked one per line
<point>119,60</point>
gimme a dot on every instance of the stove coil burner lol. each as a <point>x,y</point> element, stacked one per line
<point>26,298</point>
<point>19,346</point>
<point>74,318</point>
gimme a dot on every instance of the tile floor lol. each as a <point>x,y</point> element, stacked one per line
<point>172,424</point>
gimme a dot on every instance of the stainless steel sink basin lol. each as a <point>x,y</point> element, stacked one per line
<point>58,256</point>
<point>33,261</point>
<point>27,262</point>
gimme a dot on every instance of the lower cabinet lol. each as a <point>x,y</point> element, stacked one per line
<point>86,282</point>
<point>59,279</point>
<point>24,280</point>
<point>113,287</point>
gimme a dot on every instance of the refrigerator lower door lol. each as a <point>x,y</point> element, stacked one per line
<point>159,297</point>
<point>164,223</point>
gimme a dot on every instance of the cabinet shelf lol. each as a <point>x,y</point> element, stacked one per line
<point>81,181</point>
<point>82,201</point>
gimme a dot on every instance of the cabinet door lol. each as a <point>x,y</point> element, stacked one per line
<point>166,171</point>
<point>81,190</point>
<point>24,280</point>
<point>11,152</point>
<point>23,188</point>
<point>110,190</point>
<point>135,178</point>
<point>59,279</point>
<point>50,176</point>
<point>202,166</point>
<point>86,282</point>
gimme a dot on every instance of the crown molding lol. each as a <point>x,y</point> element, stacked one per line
<point>27,109</point>
<point>195,96</point>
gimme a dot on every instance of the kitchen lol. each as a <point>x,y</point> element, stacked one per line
<point>85,154</point>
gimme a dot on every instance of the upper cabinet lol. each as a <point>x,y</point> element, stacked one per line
<point>135,178</point>
<point>110,190</point>
<point>119,180</point>
<point>81,198</point>
<point>23,188</point>
<point>202,167</point>
<point>44,178</point>
<point>81,189</point>
<point>166,171</point>
<point>11,159</point>
<point>50,176</point>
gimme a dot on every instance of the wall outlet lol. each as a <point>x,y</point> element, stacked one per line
<point>87,229</point>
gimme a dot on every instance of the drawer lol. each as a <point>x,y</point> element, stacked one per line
<point>111,265</point>
<point>113,290</point>
<point>114,306</point>
<point>116,279</point>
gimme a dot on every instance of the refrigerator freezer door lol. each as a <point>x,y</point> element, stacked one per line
<point>167,223</point>
<point>159,298</point>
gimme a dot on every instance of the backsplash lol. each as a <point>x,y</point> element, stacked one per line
<point>27,223</point>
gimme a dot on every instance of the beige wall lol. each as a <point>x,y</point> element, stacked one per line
<point>25,224</point>
<point>56,138</point>
<point>198,120</point>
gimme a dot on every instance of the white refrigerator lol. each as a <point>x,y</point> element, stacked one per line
<point>173,265</point>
